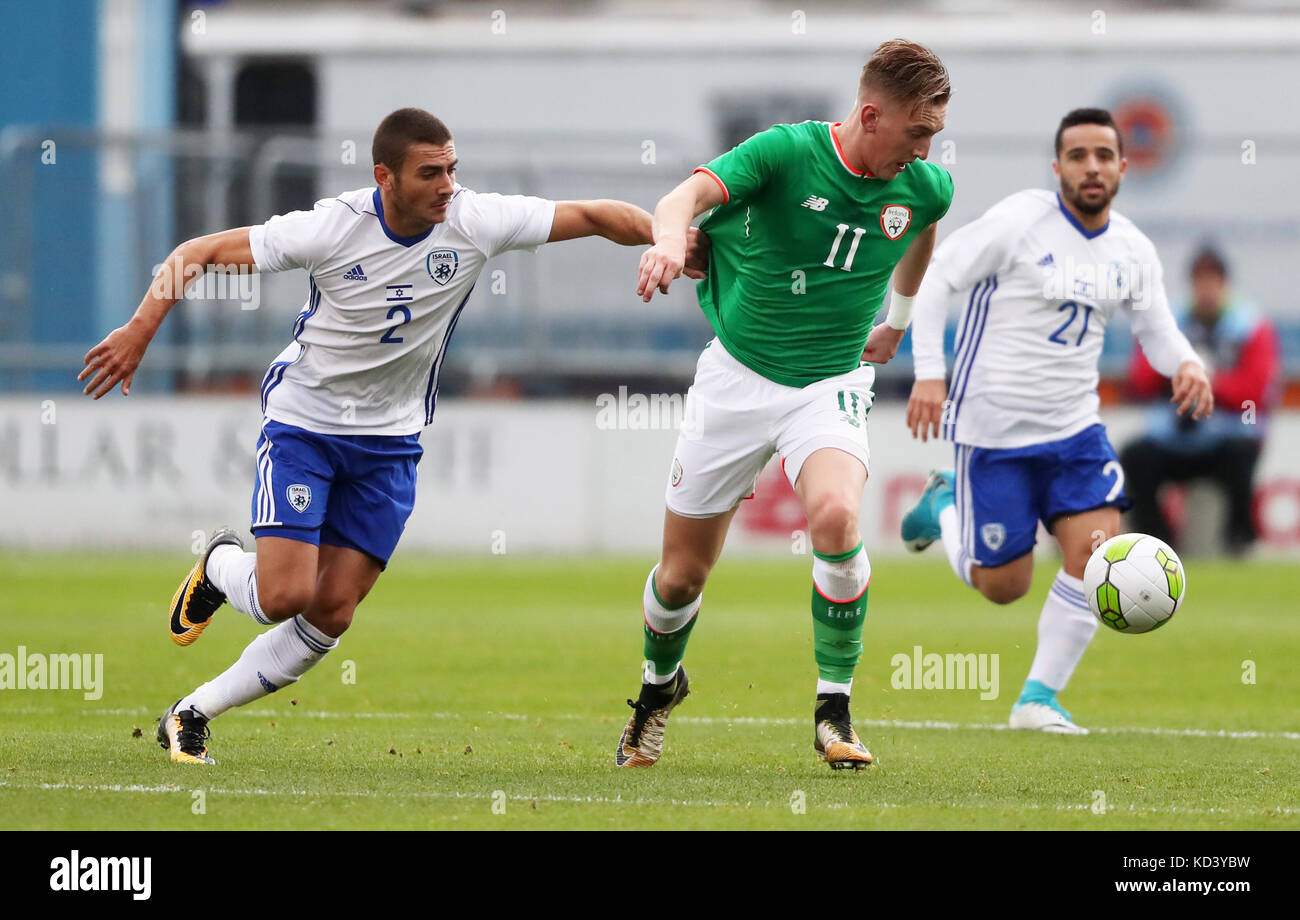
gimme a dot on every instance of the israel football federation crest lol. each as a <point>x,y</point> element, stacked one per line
<point>299,497</point>
<point>894,220</point>
<point>442,265</point>
<point>994,535</point>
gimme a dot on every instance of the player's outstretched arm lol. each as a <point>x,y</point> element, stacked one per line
<point>621,223</point>
<point>115,359</point>
<point>617,221</point>
<point>671,233</point>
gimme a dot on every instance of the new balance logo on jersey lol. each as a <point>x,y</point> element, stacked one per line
<point>355,273</point>
<point>817,204</point>
<point>1047,260</point>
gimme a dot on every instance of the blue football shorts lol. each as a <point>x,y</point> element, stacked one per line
<point>355,491</point>
<point>1002,494</point>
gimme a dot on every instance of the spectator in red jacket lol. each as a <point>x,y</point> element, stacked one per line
<point>1240,349</point>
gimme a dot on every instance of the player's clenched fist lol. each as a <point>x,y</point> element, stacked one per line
<point>660,265</point>
<point>882,343</point>
<point>925,408</point>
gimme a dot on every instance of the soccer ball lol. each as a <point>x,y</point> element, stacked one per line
<point>1134,583</point>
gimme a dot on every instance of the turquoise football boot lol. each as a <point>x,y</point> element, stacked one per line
<point>1038,710</point>
<point>921,523</point>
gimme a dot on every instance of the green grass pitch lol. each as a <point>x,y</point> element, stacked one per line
<point>489,693</point>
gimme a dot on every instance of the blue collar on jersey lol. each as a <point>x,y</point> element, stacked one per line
<point>400,240</point>
<point>1088,234</point>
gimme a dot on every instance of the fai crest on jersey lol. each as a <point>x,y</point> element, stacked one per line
<point>442,265</point>
<point>299,497</point>
<point>994,536</point>
<point>894,220</point>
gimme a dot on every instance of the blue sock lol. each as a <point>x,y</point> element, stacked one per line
<point>1035,691</point>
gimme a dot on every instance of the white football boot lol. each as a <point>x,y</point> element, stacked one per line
<point>1044,718</point>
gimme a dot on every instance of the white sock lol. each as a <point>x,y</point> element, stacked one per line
<point>1065,628</point>
<point>234,572</point>
<point>649,676</point>
<point>829,686</point>
<point>274,659</point>
<point>842,582</point>
<point>663,620</point>
<point>950,525</point>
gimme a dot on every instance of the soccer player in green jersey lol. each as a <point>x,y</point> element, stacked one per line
<point>808,223</point>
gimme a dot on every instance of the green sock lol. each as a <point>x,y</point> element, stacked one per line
<point>665,646</point>
<point>837,628</point>
<point>665,651</point>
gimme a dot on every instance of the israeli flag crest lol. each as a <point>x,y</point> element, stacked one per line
<point>994,535</point>
<point>442,265</point>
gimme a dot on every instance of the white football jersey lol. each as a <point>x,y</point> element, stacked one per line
<point>368,345</point>
<point>1037,290</point>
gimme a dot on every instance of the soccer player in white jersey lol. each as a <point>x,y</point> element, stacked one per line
<point>1039,275</point>
<point>390,270</point>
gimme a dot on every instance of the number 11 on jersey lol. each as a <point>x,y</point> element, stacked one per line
<point>835,247</point>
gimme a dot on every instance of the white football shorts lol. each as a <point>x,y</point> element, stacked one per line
<point>735,420</point>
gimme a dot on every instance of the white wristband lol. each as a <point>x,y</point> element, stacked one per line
<point>900,311</point>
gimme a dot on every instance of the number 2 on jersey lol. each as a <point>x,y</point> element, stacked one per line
<point>388,336</point>
<point>1074,311</point>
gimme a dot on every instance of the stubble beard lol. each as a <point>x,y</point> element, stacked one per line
<point>1075,197</point>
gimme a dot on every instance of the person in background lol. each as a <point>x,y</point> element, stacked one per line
<point>1239,346</point>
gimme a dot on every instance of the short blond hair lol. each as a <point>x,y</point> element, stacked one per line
<point>906,72</point>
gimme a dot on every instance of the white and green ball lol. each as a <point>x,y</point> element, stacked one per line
<point>1134,583</point>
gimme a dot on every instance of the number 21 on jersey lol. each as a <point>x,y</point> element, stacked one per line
<point>1073,307</point>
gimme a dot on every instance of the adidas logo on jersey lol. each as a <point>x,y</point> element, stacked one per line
<point>817,204</point>
<point>355,273</point>
<point>1047,260</point>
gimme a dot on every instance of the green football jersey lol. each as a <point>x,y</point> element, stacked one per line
<point>803,248</point>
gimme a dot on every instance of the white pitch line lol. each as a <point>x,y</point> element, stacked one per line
<point>618,800</point>
<point>1100,730</point>
<point>927,724</point>
<point>373,794</point>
